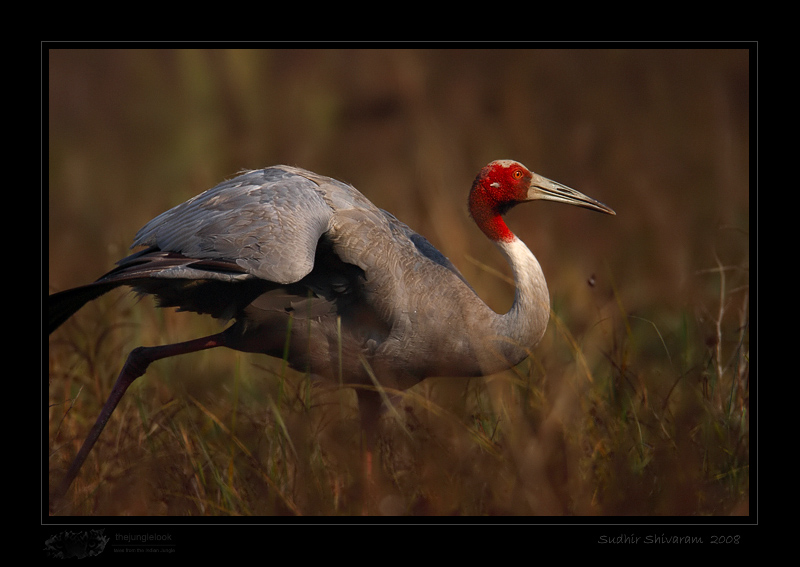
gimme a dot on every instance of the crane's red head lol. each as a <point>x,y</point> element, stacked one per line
<point>505,183</point>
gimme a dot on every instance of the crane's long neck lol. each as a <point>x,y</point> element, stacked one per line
<point>519,330</point>
<point>525,322</point>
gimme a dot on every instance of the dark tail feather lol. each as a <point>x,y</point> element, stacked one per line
<point>62,305</point>
<point>201,290</point>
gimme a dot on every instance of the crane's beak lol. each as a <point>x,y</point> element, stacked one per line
<point>548,190</point>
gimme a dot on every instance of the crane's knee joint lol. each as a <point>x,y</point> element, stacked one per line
<point>137,362</point>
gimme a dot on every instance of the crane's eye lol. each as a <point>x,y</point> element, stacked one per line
<point>517,174</point>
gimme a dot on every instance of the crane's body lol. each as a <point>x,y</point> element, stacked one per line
<point>287,254</point>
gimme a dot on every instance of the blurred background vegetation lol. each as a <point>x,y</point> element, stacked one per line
<point>637,400</point>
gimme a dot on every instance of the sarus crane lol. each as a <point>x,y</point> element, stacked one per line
<point>297,259</point>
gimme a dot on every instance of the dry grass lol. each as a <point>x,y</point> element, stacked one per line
<point>635,403</point>
<point>613,422</point>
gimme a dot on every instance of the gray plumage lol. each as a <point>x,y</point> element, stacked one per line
<point>286,253</point>
<point>255,247</point>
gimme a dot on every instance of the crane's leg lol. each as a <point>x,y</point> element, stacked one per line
<point>138,361</point>
<point>369,409</point>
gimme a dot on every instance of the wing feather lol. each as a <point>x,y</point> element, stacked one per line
<point>267,221</point>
